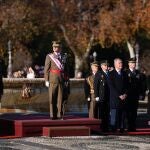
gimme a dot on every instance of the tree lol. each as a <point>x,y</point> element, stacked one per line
<point>111,21</point>
<point>123,22</point>
<point>82,23</point>
<point>20,22</point>
<point>76,20</point>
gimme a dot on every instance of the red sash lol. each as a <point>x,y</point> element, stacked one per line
<point>56,61</point>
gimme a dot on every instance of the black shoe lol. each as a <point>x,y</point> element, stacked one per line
<point>54,118</point>
<point>105,130</point>
<point>113,129</point>
<point>121,130</point>
<point>132,130</point>
<point>61,118</point>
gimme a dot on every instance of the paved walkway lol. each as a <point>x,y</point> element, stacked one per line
<point>78,143</point>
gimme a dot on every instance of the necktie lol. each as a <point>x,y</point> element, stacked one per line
<point>106,73</point>
<point>119,72</point>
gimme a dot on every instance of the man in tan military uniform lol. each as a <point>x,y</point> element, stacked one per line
<point>57,80</point>
<point>89,91</point>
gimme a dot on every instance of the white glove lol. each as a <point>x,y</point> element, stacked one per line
<point>97,99</point>
<point>88,99</point>
<point>47,83</point>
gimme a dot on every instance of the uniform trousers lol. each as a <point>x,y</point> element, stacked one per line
<point>56,100</point>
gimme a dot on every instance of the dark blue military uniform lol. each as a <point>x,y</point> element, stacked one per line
<point>102,91</point>
<point>137,88</point>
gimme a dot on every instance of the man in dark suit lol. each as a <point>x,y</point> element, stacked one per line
<point>102,93</point>
<point>89,91</point>
<point>1,80</point>
<point>57,80</point>
<point>118,92</point>
<point>136,91</point>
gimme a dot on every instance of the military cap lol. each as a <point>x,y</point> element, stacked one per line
<point>56,43</point>
<point>95,63</point>
<point>132,60</point>
<point>104,62</point>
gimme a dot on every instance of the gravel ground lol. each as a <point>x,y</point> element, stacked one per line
<point>77,143</point>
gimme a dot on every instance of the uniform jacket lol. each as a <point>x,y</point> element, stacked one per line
<point>50,65</point>
<point>118,85</point>
<point>89,86</point>
<point>101,87</point>
<point>137,84</point>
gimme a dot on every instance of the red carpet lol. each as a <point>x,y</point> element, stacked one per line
<point>144,131</point>
<point>8,137</point>
<point>35,127</point>
<point>23,125</point>
<point>66,131</point>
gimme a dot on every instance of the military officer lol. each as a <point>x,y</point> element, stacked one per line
<point>135,92</point>
<point>89,91</point>
<point>102,94</point>
<point>57,80</point>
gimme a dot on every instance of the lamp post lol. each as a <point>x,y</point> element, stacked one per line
<point>94,56</point>
<point>137,48</point>
<point>9,71</point>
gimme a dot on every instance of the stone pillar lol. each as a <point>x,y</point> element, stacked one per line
<point>9,73</point>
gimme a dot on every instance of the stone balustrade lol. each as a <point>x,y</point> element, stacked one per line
<point>18,82</point>
<point>39,99</point>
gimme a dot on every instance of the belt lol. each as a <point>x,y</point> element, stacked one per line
<point>56,71</point>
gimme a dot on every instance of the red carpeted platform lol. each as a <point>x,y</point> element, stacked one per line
<point>144,131</point>
<point>23,125</point>
<point>140,132</point>
<point>66,131</point>
<point>34,127</point>
<point>9,137</point>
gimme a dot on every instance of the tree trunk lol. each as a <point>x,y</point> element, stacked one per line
<point>137,49</point>
<point>79,61</point>
<point>134,52</point>
<point>131,49</point>
<point>78,65</point>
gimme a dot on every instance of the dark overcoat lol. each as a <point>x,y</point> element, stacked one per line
<point>118,85</point>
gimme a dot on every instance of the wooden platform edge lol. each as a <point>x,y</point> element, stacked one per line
<point>66,131</point>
